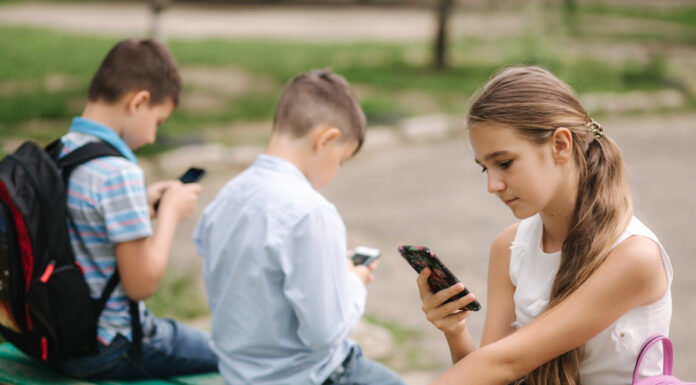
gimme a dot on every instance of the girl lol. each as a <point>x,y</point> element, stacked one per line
<point>577,286</point>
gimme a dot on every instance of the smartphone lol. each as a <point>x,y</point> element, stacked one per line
<point>365,255</point>
<point>420,257</point>
<point>192,175</point>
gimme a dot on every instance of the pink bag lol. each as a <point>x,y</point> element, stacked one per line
<point>666,378</point>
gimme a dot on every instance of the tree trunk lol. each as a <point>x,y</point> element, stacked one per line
<point>157,6</point>
<point>444,8</point>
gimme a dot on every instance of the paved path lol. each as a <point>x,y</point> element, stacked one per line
<point>292,23</point>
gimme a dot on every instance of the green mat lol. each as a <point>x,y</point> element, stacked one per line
<point>18,369</point>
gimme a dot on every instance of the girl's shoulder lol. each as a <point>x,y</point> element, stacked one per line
<point>636,228</point>
<point>504,239</point>
<point>522,232</point>
<point>640,257</point>
<point>638,244</point>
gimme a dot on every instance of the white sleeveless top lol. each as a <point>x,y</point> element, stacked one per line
<point>610,356</point>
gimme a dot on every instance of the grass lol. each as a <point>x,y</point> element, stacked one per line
<point>685,16</point>
<point>381,72</point>
<point>180,296</point>
<point>682,20</point>
<point>408,352</point>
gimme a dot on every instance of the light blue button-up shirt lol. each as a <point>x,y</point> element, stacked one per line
<point>283,301</point>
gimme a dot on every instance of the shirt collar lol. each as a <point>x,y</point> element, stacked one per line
<point>105,133</point>
<point>275,163</point>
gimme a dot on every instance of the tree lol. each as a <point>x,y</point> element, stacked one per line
<point>157,6</point>
<point>444,8</point>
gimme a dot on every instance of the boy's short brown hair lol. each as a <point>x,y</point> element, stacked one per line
<point>320,97</point>
<point>134,65</point>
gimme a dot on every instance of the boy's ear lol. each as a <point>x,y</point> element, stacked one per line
<point>325,135</point>
<point>137,99</point>
<point>562,145</point>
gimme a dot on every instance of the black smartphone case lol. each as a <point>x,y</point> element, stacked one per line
<point>440,278</point>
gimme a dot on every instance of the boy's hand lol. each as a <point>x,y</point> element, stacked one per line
<point>445,316</point>
<point>364,272</point>
<point>180,199</point>
<point>155,192</point>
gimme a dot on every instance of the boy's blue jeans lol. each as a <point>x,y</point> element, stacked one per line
<point>171,349</point>
<point>358,370</point>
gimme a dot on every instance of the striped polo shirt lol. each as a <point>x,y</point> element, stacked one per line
<point>107,200</point>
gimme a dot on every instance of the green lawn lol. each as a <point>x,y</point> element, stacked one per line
<point>44,74</point>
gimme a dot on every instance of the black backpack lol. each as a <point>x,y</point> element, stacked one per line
<point>46,309</point>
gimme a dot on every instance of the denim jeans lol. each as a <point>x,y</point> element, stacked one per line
<point>358,370</point>
<point>171,348</point>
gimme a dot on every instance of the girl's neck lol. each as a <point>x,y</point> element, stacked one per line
<point>555,231</point>
<point>556,218</point>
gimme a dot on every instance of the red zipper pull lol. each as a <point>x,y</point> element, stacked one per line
<point>49,270</point>
<point>82,269</point>
<point>44,349</point>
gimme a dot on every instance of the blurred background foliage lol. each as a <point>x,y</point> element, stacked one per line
<point>43,79</point>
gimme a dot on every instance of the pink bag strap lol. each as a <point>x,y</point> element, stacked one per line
<point>667,355</point>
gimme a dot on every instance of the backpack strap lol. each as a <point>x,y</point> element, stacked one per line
<point>106,294</point>
<point>83,154</point>
<point>136,333</point>
<point>67,164</point>
<point>668,354</point>
<point>136,328</point>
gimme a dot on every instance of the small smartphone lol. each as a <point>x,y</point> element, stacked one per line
<point>192,175</point>
<point>420,257</point>
<point>364,255</point>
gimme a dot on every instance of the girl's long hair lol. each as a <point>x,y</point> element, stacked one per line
<point>536,103</point>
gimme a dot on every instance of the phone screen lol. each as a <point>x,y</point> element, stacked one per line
<point>420,257</point>
<point>364,255</point>
<point>192,175</point>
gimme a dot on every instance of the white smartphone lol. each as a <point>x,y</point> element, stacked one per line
<point>365,255</point>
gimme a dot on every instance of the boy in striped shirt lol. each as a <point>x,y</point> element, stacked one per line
<point>134,90</point>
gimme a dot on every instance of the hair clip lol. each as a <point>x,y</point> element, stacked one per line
<point>596,128</point>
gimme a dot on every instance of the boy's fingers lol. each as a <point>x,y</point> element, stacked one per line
<point>370,277</point>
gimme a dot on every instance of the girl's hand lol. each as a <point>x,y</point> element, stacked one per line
<point>445,316</point>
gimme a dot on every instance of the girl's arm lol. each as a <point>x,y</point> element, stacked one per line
<point>631,276</point>
<point>501,307</point>
<point>500,311</point>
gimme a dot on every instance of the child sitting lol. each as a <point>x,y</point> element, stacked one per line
<point>282,293</point>
<point>134,90</point>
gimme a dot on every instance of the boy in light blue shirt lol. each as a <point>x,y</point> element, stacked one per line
<point>282,293</point>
